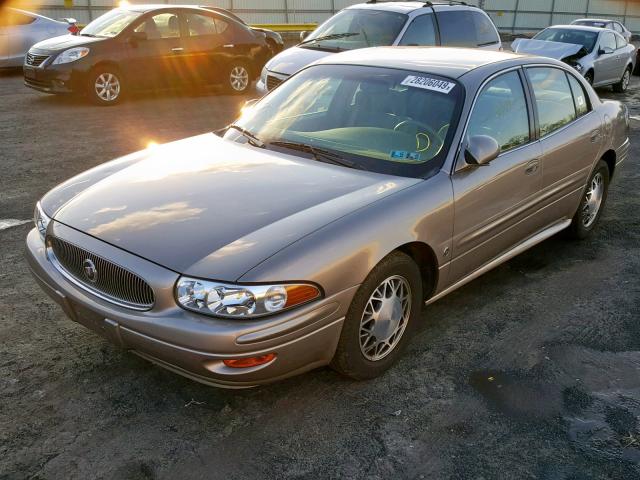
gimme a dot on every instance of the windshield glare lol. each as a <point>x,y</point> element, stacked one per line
<point>111,23</point>
<point>380,119</point>
<point>368,28</point>
<point>566,35</point>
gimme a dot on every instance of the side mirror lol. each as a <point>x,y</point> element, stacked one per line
<point>303,35</point>
<point>481,149</point>
<point>605,51</point>
<point>137,37</point>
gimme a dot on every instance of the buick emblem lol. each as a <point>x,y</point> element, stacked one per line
<point>90,270</point>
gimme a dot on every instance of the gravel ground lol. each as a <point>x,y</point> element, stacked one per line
<point>531,371</point>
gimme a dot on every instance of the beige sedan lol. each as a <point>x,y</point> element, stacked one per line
<point>316,229</point>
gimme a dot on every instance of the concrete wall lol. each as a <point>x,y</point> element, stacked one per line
<point>517,16</point>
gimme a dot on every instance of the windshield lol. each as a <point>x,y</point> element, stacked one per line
<point>110,24</point>
<point>379,119</point>
<point>567,35</point>
<point>354,28</point>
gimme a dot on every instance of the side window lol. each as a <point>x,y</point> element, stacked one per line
<point>485,31</point>
<point>200,25</point>
<point>162,25</point>
<point>620,41</point>
<point>553,98</point>
<point>221,25</point>
<point>617,27</point>
<point>501,112</point>
<point>608,40</point>
<point>454,29</point>
<point>579,96</point>
<point>421,32</point>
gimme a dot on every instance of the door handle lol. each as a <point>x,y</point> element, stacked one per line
<point>532,167</point>
<point>228,45</point>
<point>595,136</point>
<point>177,50</point>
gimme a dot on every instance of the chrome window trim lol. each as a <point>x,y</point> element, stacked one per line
<point>51,256</point>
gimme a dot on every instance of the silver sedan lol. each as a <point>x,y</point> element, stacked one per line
<point>602,56</point>
<point>19,30</point>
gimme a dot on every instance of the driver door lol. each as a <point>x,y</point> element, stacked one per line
<point>496,204</point>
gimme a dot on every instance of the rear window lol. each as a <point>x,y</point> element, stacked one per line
<point>455,31</point>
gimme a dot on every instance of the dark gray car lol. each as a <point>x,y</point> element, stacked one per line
<point>316,229</point>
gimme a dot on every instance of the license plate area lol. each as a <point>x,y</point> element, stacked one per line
<point>29,72</point>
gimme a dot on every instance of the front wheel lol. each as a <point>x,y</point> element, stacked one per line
<point>592,203</point>
<point>104,86</point>
<point>623,84</point>
<point>378,323</point>
<point>238,79</point>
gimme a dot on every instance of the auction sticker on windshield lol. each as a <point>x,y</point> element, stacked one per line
<point>428,83</point>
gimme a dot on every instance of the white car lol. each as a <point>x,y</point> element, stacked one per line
<point>19,30</point>
<point>375,24</point>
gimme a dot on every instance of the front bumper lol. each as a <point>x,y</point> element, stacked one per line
<point>188,343</point>
<point>49,78</point>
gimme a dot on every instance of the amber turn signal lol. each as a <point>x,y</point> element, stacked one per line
<point>297,294</point>
<point>249,362</point>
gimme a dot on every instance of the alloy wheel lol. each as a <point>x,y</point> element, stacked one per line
<point>593,200</point>
<point>107,87</point>
<point>625,79</point>
<point>239,78</point>
<point>385,318</point>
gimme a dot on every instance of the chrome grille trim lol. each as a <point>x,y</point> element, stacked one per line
<point>35,60</point>
<point>114,284</point>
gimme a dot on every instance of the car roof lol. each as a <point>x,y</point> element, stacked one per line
<point>603,20</point>
<point>150,7</point>
<point>584,28</point>
<point>445,61</point>
<point>405,7</point>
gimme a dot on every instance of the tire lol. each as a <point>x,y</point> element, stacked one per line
<point>623,84</point>
<point>360,359</point>
<point>589,77</point>
<point>113,90</point>
<point>238,79</point>
<point>581,225</point>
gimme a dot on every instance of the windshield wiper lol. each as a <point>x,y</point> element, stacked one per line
<point>251,138</point>
<point>333,36</point>
<point>87,35</point>
<point>320,154</point>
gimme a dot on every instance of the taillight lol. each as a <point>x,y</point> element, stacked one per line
<point>73,29</point>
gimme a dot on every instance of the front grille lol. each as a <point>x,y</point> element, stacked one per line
<point>273,82</point>
<point>34,60</point>
<point>112,282</point>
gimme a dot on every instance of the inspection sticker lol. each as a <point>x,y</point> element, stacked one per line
<point>404,155</point>
<point>428,83</point>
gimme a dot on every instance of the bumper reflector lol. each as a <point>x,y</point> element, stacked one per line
<point>249,362</point>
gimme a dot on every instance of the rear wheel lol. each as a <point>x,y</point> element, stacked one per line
<point>592,203</point>
<point>104,86</point>
<point>238,78</point>
<point>623,84</point>
<point>379,321</point>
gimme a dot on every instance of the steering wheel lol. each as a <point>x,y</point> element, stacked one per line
<point>426,137</point>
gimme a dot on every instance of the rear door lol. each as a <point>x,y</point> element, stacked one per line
<point>157,61</point>
<point>570,135</point>
<point>622,54</point>
<point>495,204</point>
<point>205,47</point>
<point>606,65</point>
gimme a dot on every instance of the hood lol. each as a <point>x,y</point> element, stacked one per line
<point>213,208</point>
<point>56,44</point>
<point>294,59</point>
<point>545,48</point>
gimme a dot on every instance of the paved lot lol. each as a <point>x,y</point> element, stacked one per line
<point>531,371</point>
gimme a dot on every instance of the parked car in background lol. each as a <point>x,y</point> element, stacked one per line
<point>375,24</point>
<point>274,39</point>
<point>605,23</point>
<point>602,56</point>
<point>315,230</point>
<point>148,47</point>
<point>19,30</point>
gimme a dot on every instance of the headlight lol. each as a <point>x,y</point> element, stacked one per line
<point>241,301</point>
<point>578,67</point>
<point>71,55</point>
<point>263,75</point>
<point>41,220</point>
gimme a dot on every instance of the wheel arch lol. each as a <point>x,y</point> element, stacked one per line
<point>609,157</point>
<point>424,256</point>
